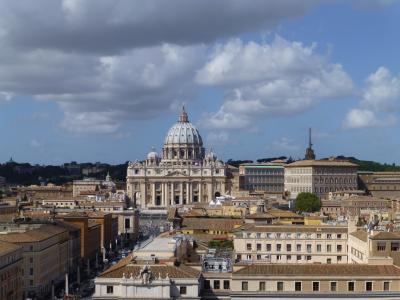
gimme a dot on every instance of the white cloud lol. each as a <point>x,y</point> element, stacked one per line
<point>34,143</point>
<point>379,103</point>
<point>364,118</point>
<point>284,144</point>
<point>382,92</point>
<point>276,79</point>
<point>90,122</point>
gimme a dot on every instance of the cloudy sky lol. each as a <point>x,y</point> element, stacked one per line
<point>99,80</point>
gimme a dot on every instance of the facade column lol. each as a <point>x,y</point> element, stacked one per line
<point>165,195</point>
<point>172,194</point>
<point>188,199</point>
<point>181,194</point>
<point>200,191</point>
<point>153,194</point>
<point>162,194</point>
<point>209,190</point>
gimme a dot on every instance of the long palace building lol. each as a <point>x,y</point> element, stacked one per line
<point>184,174</point>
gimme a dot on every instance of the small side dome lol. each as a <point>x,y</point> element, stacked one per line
<point>152,154</point>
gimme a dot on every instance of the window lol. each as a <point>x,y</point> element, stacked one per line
<point>279,286</point>
<point>297,286</point>
<point>31,271</point>
<point>319,235</point>
<point>31,260</point>
<point>329,236</point>
<point>268,247</point>
<point>31,282</point>
<point>395,246</point>
<point>227,285</point>
<point>339,258</point>
<point>350,286</point>
<point>288,247</point>
<point>262,286</point>
<point>328,261</point>
<point>216,285</point>
<point>298,257</point>
<point>339,236</point>
<point>298,247</point>
<point>288,257</point>
<point>278,247</point>
<point>248,246</point>
<point>207,284</point>
<point>258,256</point>
<point>308,248</point>
<point>381,246</point>
<point>258,247</point>
<point>368,286</point>
<point>333,286</point>
<point>182,290</point>
<point>127,223</point>
<point>328,248</point>
<point>339,248</point>
<point>245,285</point>
<point>308,257</point>
<point>318,247</point>
<point>386,286</point>
<point>110,289</point>
<point>315,286</point>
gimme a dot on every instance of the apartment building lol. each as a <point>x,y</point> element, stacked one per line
<point>319,177</point>
<point>268,177</point>
<point>256,243</point>
<point>45,255</point>
<point>10,271</point>
<point>369,247</point>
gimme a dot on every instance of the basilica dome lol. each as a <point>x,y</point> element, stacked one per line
<point>183,132</point>
<point>183,142</point>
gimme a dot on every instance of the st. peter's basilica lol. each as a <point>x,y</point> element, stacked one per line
<point>183,174</point>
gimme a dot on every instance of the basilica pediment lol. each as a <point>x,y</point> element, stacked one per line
<point>176,173</point>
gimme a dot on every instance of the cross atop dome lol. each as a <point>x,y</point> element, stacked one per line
<point>183,116</point>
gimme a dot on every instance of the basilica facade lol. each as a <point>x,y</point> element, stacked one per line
<point>183,174</point>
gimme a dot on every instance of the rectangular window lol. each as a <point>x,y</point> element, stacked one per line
<point>297,286</point>
<point>182,290</point>
<point>288,247</point>
<point>110,289</point>
<point>207,285</point>
<point>127,223</point>
<point>328,261</point>
<point>245,285</point>
<point>368,286</point>
<point>339,258</point>
<point>227,284</point>
<point>318,236</point>
<point>279,286</point>
<point>258,256</point>
<point>308,257</point>
<point>328,248</point>
<point>216,285</point>
<point>318,247</point>
<point>308,248</point>
<point>262,286</point>
<point>31,271</point>
<point>258,247</point>
<point>339,248</point>
<point>395,246</point>
<point>248,246</point>
<point>333,286</point>
<point>315,286</point>
<point>288,257</point>
<point>386,286</point>
<point>278,247</point>
<point>268,247</point>
<point>298,257</point>
<point>298,247</point>
<point>381,246</point>
<point>339,236</point>
<point>329,236</point>
<point>350,286</point>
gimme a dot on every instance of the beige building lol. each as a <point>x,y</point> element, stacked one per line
<point>45,255</point>
<point>92,185</point>
<point>10,271</point>
<point>370,247</point>
<point>294,244</point>
<point>380,184</point>
<point>316,281</point>
<point>183,174</point>
<point>319,177</point>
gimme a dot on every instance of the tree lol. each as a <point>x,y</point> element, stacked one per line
<point>307,202</point>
